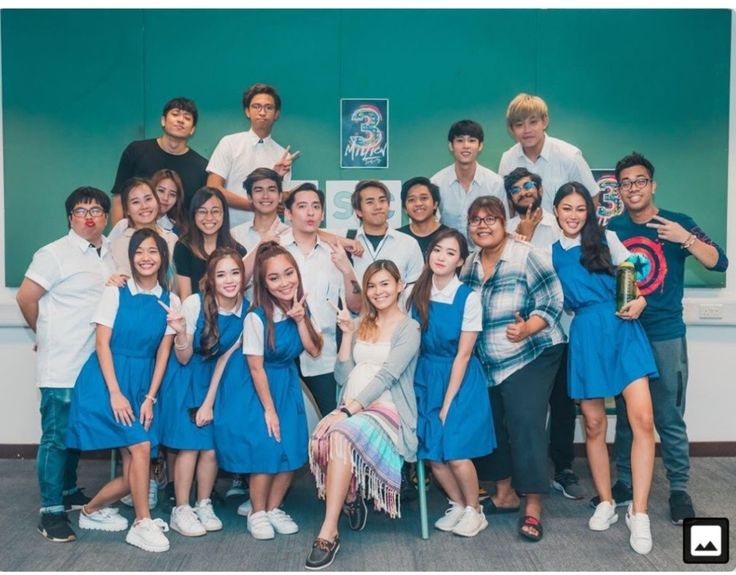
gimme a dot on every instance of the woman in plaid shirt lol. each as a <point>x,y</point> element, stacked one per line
<point>520,349</point>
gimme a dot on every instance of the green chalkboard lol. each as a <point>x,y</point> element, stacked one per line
<point>79,85</point>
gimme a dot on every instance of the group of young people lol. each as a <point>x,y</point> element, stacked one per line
<point>447,340</point>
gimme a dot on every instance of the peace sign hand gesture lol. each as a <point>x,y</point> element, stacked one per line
<point>298,310</point>
<point>174,318</point>
<point>528,222</point>
<point>669,230</point>
<point>344,321</point>
<point>283,166</point>
<point>339,256</point>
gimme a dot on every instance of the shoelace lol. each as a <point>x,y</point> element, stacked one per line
<point>323,544</point>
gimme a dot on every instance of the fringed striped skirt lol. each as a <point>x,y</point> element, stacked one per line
<point>369,439</point>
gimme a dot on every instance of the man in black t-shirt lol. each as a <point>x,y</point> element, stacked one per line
<point>142,158</point>
<point>421,199</point>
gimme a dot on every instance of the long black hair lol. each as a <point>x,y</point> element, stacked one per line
<point>138,237</point>
<point>595,255</point>
<point>193,238</point>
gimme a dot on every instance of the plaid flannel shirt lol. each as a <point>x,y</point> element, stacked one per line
<point>524,281</point>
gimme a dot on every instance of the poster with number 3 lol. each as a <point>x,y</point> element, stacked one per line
<point>364,133</point>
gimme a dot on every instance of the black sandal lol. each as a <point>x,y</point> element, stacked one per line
<point>533,523</point>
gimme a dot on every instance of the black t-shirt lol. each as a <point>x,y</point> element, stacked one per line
<point>423,241</point>
<point>143,158</point>
<point>187,264</point>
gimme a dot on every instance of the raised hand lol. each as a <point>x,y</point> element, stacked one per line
<point>344,321</point>
<point>528,222</point>
<point>669,230</point>
<point>174,318</point>
<point>272,234</point>
<point>339,256</point>
<point>297,311</point>
<point>354,247</point>
<point>283,166</point>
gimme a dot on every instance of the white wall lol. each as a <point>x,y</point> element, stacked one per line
<point>712,344</point>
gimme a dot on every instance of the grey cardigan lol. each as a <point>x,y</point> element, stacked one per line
<point>396,375</point>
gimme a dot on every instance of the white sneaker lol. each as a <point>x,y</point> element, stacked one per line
<point>245,508</point>
<point>127,500</point>
<point>452,517</point>
<point>152,494</point>
<point>105,519</point>
<point>259,526</point>
<point>604,516</point>
<point>206,515</point>
<point>186,522</point>
<point>282,522</point>
<point>471,523</point>
<point>641,534</point>
<point>148,534</point>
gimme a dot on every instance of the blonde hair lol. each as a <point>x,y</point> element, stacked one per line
<point>523,106</point>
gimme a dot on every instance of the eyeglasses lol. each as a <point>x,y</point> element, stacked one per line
<point>525,186</point>
<point>267,107</point>
<point>488,220</point>
<point>636,184</point>
<point>204,212</point>
<point>84,212</point>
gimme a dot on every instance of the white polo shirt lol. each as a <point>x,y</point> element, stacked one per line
<point>546,233</point>
<point>400,248</point>
<point>558,164</point>
<point>322,282</point>
<point>455,201</point>
<point>236,156</point>
<point>73,276</point>
<point>472,312</point>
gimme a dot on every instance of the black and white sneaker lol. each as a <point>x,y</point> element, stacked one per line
<point>322,554</point>
<point>567,483</point>
<point>55,527</point>
<point>621,494</point>
<point>75,501</point>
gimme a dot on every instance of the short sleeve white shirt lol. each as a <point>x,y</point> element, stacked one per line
<point>107,310</point>
<point>558,164</point>
<point>455,200</point>
<point>192,307</point>
<point>236,156</point>
<point>619,253</point>
<point>400,248</point>
<point>323,283</point>
<point>73,275</point>
<point>472,313</point>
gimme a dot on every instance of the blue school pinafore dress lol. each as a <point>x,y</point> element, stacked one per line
<point>139,327</point>
<point>242,443</point>
<point>185,386</point>
<point>468,430</point>
<point>605,353</point>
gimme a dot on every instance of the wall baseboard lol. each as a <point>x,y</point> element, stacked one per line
<point>697,449</point>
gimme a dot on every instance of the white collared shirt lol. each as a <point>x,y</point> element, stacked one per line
<point>107,310</point>
<point>236,156</point>
<point>323,282</point>
<point>558,164</point>
<point>73,275</point>
<point>619,253</point>
<point>254,342</point>
<point>546,233</point>
<point>193,305</point>
<point>472,313</point>
<point>117,230</point>
<point>400,248</point>
<point>455,201</point>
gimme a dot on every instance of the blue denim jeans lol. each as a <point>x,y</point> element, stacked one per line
<point>56,465</point>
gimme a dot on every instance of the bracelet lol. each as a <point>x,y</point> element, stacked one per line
<point>181,347</point>
<point>153,399</point>
<point>687,244</point>
<point>346,411</point>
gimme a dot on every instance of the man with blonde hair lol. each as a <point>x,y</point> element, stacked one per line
<point>554,160</point>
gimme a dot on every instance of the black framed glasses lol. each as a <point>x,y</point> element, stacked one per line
<point>525,186</point>
<point>488,220</point>
<point>636,184</point>
<point>87,212</point>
